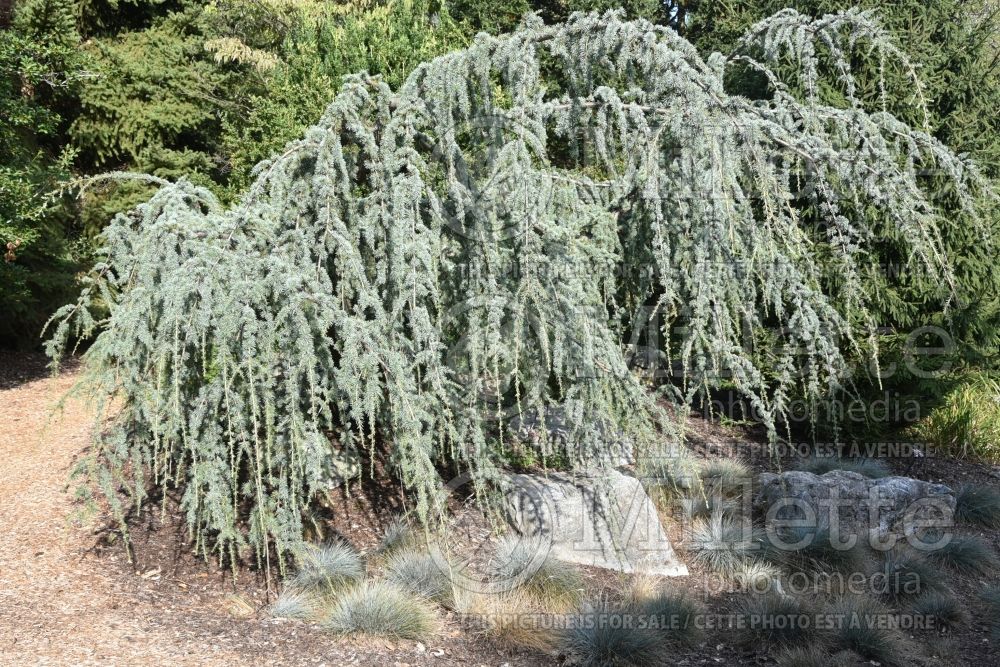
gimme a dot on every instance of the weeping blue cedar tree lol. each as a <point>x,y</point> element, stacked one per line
<point>428,262</point>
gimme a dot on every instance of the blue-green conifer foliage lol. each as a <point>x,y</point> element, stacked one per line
<point>429,262</point>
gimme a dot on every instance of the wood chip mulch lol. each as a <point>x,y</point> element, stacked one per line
<point>67,598</point>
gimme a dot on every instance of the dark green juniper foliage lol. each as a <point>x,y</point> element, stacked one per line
<point>320,45</point>
<point>427,262</point>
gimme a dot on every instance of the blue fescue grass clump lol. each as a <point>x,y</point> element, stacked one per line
<point>724,544</point>
<point>991,596</point>
<point>946,611</point>
<point>603,635</point>
<point>906,574</point>
<point>724,476</point>
<point>380,609</point>
<point>815,656</point>
<point>295,603</point>
<point>775,619</point>
<point>327,568</point>
<point>397,535</point>
<point>967,555</point>
<point>862,629</point>
<point>978,505</point>
<point>810,549</point>
<point>673,615</point>
<point>525,563</point>
<point>421,574</point>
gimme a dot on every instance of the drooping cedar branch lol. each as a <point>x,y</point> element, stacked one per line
<point>428,263</point>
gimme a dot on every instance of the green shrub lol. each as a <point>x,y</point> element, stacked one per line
<point>967,423</point>
<point>979,505</point>
<point>419,573</point>
<point>379,609</point>
<point>966,555</point>
<point>327,568</point>
<point>323,44</point>
<point>41,67</point>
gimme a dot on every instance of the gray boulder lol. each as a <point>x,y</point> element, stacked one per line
<point>861,505</point>
<point>601,519</point>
